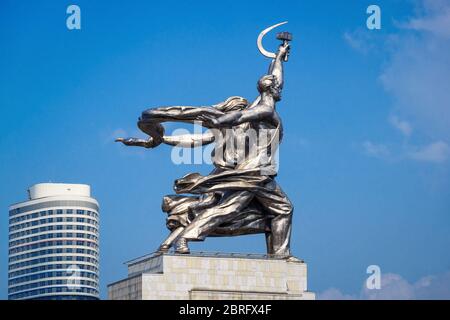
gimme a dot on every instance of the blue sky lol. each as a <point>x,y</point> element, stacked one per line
<point>366,115</point>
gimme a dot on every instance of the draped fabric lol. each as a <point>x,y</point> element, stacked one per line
<point>235,198</point>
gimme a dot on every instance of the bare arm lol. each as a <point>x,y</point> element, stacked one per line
<point>189,140</point>
<point>258,111</point>
<point>136,142</point>
<point>181,114</point>
<point>276,67</point>
<point>235,118</point>
<point>184,141</point>
<point>151,119</point>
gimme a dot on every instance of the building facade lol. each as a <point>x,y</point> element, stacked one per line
<point>54,244</point>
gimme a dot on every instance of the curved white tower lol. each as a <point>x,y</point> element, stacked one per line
<point>53,244</point>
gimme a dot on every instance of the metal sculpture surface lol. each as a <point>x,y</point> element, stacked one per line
<point>240,196</point>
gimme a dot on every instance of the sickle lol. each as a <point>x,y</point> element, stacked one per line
<point>263,51</point>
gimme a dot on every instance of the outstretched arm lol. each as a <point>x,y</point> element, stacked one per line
<point>136,142</point>
<point>181,114</point>
<point>184,141</point>
<point>248,115</point>
<point>189,140</point>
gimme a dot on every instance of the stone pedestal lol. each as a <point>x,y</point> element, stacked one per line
<point>212,277</point>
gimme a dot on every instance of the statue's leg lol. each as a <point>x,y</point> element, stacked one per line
<point>209,219</point>
<point>281,227</point>
<point>277,204</point>
<point>165,246</point>
<point>269,243</point>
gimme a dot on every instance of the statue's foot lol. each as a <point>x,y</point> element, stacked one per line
<point>286,256</point>
<point>182,246</point>
<point>163,248</point>
<point>294,259</point>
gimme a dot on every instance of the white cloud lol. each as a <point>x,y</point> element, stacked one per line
<point>435,21</point>
<point>395,287</point>
<point>401,125</point>
<point>417,73</point>
<point>433,287</point>
<point>434,152</point>
<point>334,294</point>
<point>417,76</point>
<point>360,40</point>
<point>376,150</point>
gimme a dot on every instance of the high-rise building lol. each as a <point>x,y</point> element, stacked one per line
<point>53,244</point>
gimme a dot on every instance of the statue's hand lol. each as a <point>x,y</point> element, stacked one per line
<point>283,50</point>
<point>215,122</point>
<point>137,142</point>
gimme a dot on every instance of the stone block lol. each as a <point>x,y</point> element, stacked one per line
<point>212,277</point>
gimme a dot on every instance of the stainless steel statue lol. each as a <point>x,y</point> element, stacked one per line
<point>240,196</point>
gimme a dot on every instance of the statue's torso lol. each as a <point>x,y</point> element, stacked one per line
<point>249,145</point>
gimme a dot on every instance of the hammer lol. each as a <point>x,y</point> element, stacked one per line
<point>285,37</point>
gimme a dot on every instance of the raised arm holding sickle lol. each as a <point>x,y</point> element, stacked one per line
<point>263,108</point>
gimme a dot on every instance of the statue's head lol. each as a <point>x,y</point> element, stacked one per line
<point>268,84</point>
